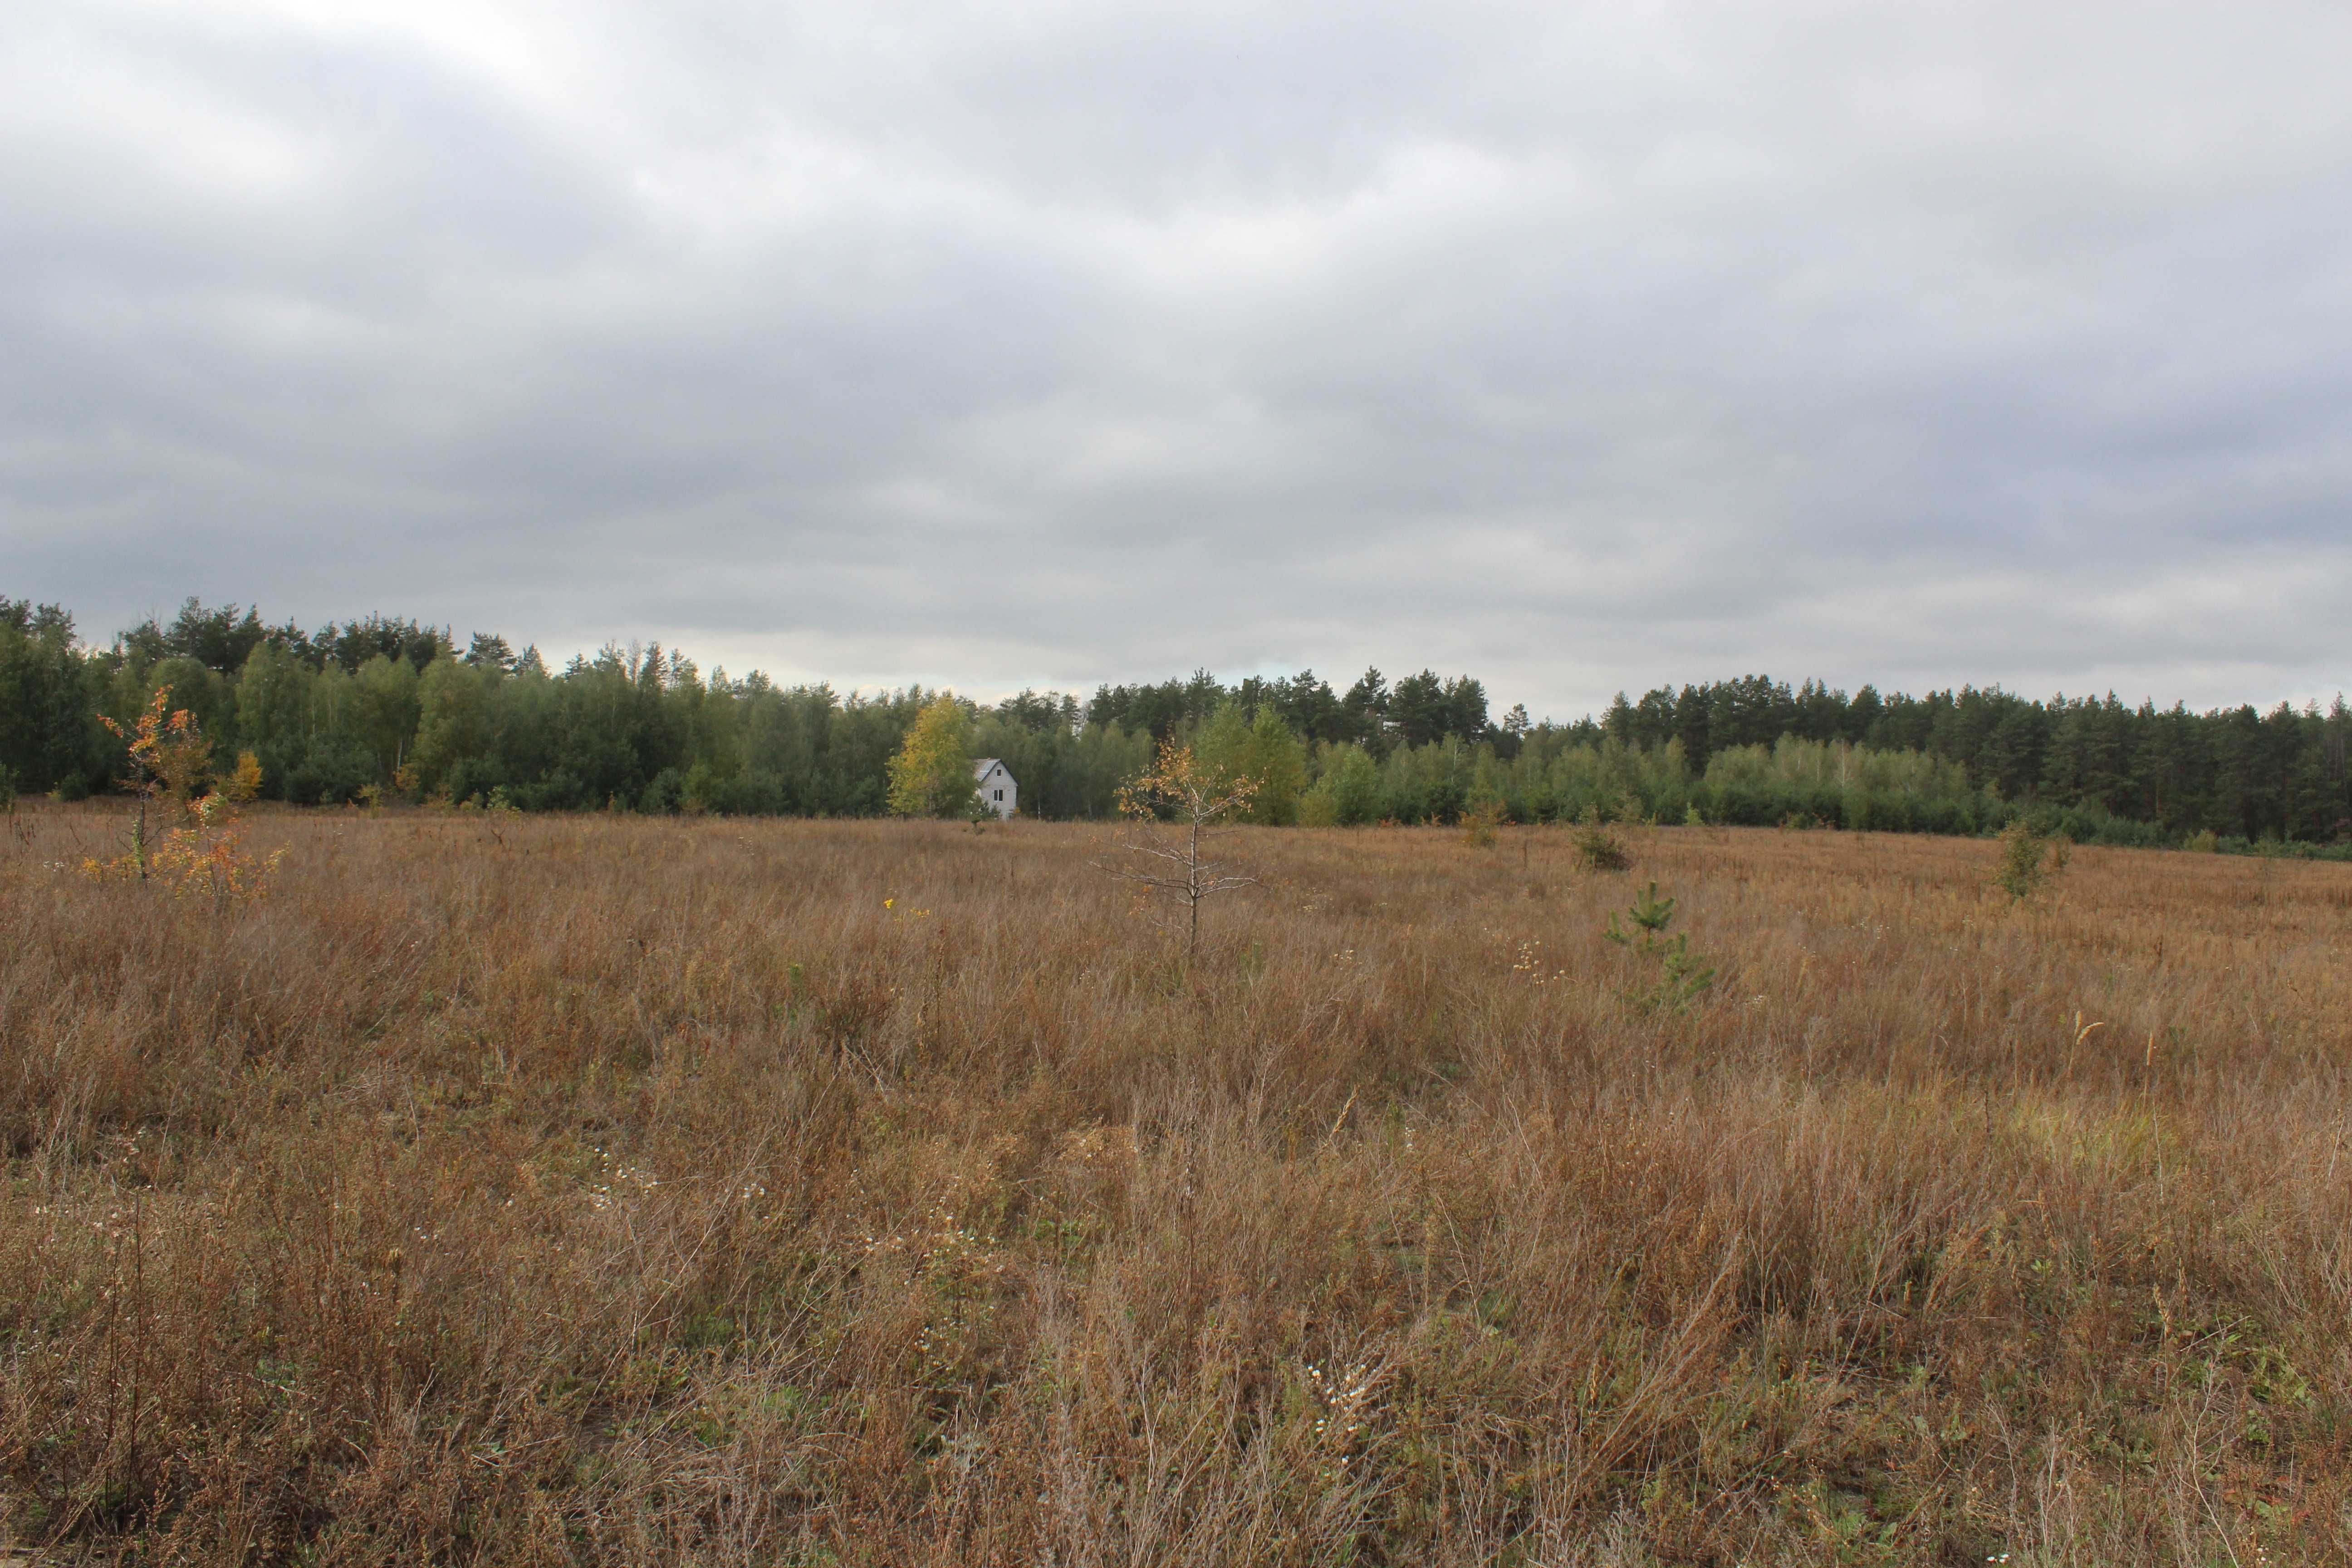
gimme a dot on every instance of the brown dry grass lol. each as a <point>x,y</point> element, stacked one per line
<point>646,1190</point>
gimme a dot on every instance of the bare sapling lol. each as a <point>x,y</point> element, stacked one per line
<point>1181,793</point>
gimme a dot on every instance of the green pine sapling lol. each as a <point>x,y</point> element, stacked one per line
<point>1680,979</point>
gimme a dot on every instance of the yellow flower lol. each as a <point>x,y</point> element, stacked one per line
<point>887,902</point>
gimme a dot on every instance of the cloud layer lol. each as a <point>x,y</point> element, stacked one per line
<point>1050,343</point>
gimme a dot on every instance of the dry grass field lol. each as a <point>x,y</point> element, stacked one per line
<point>705,1191</point>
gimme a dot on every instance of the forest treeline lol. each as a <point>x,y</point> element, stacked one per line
<point>385,708</point>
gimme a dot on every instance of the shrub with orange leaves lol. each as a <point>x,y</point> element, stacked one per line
<point>168,755</point>
<point>206,856</point>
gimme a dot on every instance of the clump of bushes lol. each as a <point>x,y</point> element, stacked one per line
<point>1600,850</point>
<point>2028,859</point>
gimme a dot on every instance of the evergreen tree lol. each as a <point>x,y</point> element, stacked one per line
<point>49,737</point>
<point>1365,711</point>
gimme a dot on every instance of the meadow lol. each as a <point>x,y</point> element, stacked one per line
<point>592,1189</point>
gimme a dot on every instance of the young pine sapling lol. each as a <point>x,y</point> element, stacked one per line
<point>1680,979</point>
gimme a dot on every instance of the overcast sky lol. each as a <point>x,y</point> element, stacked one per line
<point>1003,344</point>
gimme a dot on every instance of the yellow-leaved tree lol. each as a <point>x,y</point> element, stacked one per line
<point>931,774</point>
<point>169,760</point>
<point>243,785</point>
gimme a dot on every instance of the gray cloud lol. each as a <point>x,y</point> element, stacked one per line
<point>1053,343</point>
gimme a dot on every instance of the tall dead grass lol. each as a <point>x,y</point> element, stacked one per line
<point>720,1192</point>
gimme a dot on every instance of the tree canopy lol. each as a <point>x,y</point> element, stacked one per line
<point>388,705</point>
<point>931,773</point>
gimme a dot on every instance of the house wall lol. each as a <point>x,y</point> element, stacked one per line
<point>999,780</point>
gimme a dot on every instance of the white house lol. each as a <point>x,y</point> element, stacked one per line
<point>998,793</point>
